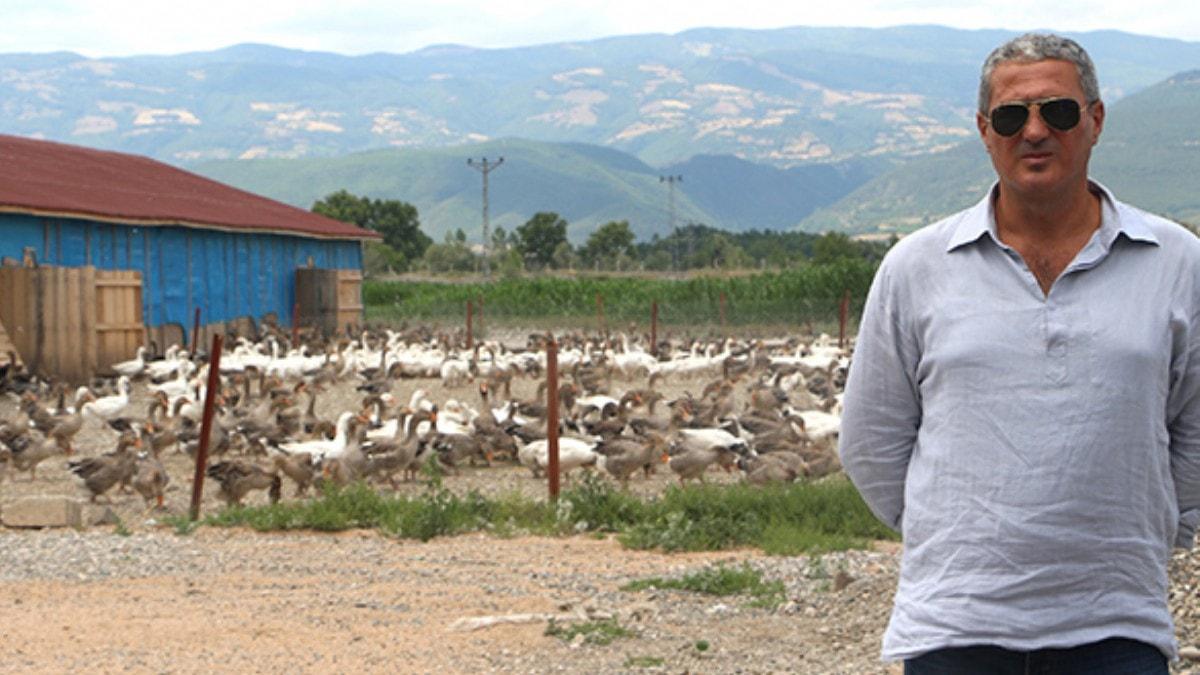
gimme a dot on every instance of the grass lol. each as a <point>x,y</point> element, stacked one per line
<point>721,580</point>
<point>643,662</point>
<point>791,519</point>
<point>598,632</point>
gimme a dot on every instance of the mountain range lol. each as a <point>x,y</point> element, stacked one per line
<point>1148,155</point>
<point>770,128</point>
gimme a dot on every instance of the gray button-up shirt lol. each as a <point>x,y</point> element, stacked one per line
<point>1040,453</point>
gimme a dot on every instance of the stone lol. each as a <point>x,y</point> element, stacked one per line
<point>1190,654</point>
<point>44,512</point>
<point>99,514</point>
<point>841,580</point>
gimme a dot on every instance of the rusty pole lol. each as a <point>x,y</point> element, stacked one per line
<point>195,331</point>
<point>470,311</point>
<point>843,311</point>
<point>654,328</point>
<point>295,322</point>
<point>479,313</point>
<point>552,415</point>
<point>599,313</point>
<point>206,422</point>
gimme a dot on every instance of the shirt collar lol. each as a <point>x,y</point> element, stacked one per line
<point>981,219</point>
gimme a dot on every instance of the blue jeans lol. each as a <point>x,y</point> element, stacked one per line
<point>1115,656</point>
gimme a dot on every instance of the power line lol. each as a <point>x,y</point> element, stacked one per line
<point>485,168</point>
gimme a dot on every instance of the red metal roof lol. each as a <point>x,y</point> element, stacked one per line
<point>47,178</point>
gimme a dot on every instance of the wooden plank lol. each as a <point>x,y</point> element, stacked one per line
<point>118,323</point>
<point>91,350</point>
<point>62,323</point>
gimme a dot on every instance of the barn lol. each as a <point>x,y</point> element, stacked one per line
<point>105,251</point>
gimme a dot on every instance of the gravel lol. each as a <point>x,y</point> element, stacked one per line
<point>139,597</point>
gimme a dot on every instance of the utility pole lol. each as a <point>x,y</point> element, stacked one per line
<point>485,168</point>
<point>671,181</point>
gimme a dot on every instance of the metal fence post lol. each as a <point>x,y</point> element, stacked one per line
<point>654,328</point>
<point>552,415</point>
<point>210,397</point>
<point>470,308</point>
<point>843,312</point>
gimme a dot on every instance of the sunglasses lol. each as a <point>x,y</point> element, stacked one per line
<point>1058,113</point>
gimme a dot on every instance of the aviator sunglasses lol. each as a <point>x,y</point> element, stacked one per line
<point>1058,113</point>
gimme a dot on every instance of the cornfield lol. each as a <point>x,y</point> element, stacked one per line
<point>808,295</point>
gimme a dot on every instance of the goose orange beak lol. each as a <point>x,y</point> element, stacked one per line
<point>666,458</point>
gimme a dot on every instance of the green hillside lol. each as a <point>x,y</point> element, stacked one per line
<point>588,185</point>
<point>1149,155</point>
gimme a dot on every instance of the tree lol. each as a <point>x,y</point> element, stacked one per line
<point>397,221</point>
<point>499,240</point>
<point>610,242</point>
<point>379,258</point>
<point>833,246</point>
<point>449,257</point>
<point>540,237</point>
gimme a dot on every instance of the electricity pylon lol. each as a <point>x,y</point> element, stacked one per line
<point>485,168</point>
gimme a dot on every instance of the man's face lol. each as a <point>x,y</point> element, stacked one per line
<point>1040,161</point>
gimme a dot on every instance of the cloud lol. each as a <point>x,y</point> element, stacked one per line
<point>123,27</point>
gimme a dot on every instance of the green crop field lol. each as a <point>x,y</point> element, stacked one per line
<point>808,295</point>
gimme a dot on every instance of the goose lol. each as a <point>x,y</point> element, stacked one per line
<point>168,365</point>
<point>387,457</point>
<point>622,457</point>
<point>27,453</point>
<point>572,453</point>
<point>772,468</point>
<point>298,467</point>
<point>321,448</point>
<point>179,385</point>
<point>150,478</point>
<point>110,407</point>
<point>694,462</point>
<point>238,478</point>
<point>101,473</point>
<point>133,367</point>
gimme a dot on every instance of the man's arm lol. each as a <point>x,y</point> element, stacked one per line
<point>882,404</point>
<point>1183,418</point>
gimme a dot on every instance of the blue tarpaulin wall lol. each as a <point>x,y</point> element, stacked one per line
<point>227,275</point>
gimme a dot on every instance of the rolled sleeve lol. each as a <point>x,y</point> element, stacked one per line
<point>882,404</point>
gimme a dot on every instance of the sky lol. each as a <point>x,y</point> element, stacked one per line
<point>126,27</point>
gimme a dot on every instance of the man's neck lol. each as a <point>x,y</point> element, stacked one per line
<point>1052,219</point>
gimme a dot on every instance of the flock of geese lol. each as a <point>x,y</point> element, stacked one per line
<point>766,408</point>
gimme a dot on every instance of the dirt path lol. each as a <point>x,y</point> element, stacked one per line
<point>245,602</point>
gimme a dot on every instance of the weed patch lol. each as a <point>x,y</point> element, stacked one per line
<point>721,580</point>
<point>599,632</point>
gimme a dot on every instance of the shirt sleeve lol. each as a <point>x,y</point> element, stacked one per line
<point>1183,423</point>
<point>882,407</point>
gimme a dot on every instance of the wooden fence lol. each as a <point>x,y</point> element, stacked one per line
<point>329,300</point>
<point>72,322</point>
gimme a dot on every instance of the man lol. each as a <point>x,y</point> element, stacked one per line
<point>1024,400</point>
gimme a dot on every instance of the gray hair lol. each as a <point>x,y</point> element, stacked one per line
<point>1039,47</point>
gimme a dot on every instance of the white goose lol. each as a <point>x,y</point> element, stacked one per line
<point>323,448</point>
<point>180,384</point>
<point>110,407</point>
<point>134,366</point>
<point>167,366</point>
<point>572,454</point>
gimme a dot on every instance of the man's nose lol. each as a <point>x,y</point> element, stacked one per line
<point>1035,129</point>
